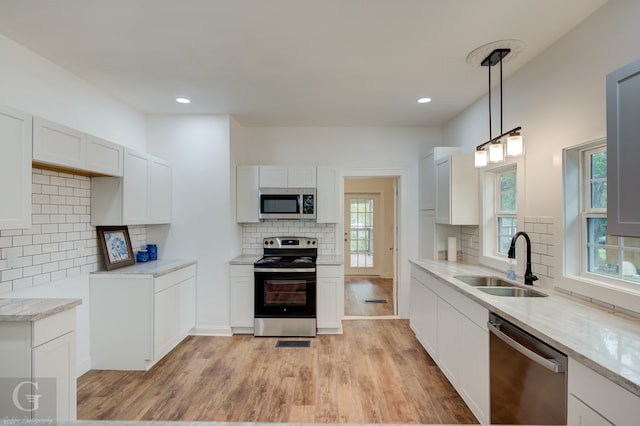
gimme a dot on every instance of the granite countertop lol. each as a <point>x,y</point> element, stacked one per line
<point>249,259</point>
<point>157,268</point>
<point>603,340</point>
<point>34,309</point>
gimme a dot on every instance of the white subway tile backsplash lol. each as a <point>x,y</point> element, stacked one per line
<point>253,234</point>
<point>61,242</point>
<point>540,231</point>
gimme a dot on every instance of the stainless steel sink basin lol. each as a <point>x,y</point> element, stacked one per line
<point>483,281</point>
<point>512,292</point>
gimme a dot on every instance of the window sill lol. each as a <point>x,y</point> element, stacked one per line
<point>605,294</point>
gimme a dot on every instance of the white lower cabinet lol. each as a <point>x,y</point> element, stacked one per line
<point>452,328</point>
<point>424,310</point>
<point>330,298</point>
<point>594,400</point>
<point>136,319</point>
<point>37,351</point>
<point>241,290</point>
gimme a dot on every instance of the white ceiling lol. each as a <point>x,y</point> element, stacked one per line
<point>289,62</point>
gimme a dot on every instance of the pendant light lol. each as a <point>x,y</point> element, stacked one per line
<point>497,150</point>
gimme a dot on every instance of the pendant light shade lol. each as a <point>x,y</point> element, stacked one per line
<point>496,152</point>
<point>481,158</point>
<point>515,145</point>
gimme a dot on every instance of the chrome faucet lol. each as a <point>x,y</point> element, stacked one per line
<point>529,278</point>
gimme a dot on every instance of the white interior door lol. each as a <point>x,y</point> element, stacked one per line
<point>363,234</point>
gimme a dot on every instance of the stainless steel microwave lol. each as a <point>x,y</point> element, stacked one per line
<point>288,203</point>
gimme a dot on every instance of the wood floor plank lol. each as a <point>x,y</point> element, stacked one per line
<point>376,372</point>
<point>357,290</point>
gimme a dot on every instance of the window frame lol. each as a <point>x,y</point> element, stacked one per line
<point>573,261</point>
<point>488,250</point>
<point>499,213</point>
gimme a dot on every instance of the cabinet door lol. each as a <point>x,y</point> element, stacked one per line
<point>474,368</point>
<point>328,310</point>
<point>58,145</point>
<point>247,194</point>
<point>186,307</point>
<point>104,157</point>
<point>443,191</point>
<point>165,321</point>
<point>463,188</point>
<point>448,340</point>
<point>57,359</point>
<point>160,191</point>
<point>301,177</point>
<point>427,182</point>
<point>15,167</point>
<point>623,151</point>
<point>327,195</point>
<point>135,186</point>
<point>241,295</point>
<point>580,414</point>
<point>273,177</point>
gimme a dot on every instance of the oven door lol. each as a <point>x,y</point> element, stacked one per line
<point>280,294</point>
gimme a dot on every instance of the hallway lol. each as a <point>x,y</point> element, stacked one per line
<point>368,296</point>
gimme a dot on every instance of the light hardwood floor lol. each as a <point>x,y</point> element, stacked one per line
<point>357,290</point>
<point>376,372</point>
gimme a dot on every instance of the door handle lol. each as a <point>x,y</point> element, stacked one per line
<point>549,364</point>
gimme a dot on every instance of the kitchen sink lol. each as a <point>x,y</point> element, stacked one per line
<point>483,281</point>
<point>512,292</point>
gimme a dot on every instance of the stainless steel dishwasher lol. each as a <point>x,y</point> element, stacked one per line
<point>528,377</point>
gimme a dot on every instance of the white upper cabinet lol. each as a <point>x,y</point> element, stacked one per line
<point>15,167</point>
<point>301,177</point>
<point>247,194</point>
<point>456,190</point>
<point>427,170</point>
<point>104,157</point>
<point>141,197</point>
<point>287,177</point>
<point>59,146</point>
<point>327,195</point>
<point>623,151</point>
<point>137,178</point>
<point>160,191</point>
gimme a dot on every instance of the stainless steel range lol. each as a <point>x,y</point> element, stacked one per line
<point>285,287</point>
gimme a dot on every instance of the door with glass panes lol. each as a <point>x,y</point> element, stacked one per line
<point>362,234</point>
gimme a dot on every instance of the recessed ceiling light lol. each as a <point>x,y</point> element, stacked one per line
<point>183,100</point>
<point>424,100</point>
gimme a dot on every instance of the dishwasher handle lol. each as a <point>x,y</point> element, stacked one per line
<point>549,364</point>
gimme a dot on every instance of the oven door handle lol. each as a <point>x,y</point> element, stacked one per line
<point>549,364</point>
<point>284,270</point>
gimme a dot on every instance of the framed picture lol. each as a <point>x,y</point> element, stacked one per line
<point>115,245</point>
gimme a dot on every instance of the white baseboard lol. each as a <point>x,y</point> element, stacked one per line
<point>211,331</point>
<point>83,366</point>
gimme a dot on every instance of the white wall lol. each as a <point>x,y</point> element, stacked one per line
<point>201,226</point>
<point>354,151</point>
<point>34,85</point>
<point>37,86</point>
<point>559,100</point>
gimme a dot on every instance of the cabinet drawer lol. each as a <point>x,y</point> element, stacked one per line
<point>467,307</point>
<point>424,278</point>
<point>173,278</point>
<point>329,271</point>
<point>54,326</point>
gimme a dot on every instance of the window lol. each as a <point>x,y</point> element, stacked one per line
<point>604,255</point>
<point>506,204</point>
<point>502,191</point>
